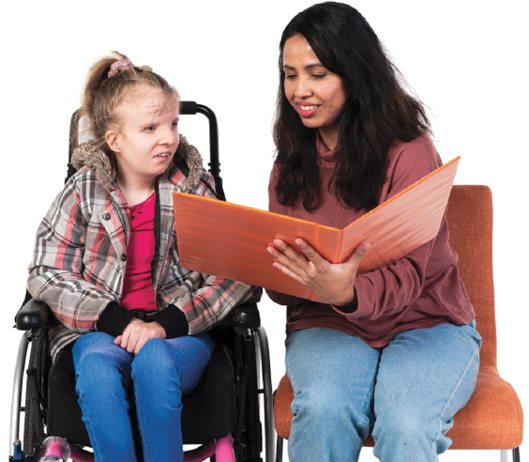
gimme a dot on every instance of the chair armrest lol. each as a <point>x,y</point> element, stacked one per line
<point>33,315</point>
<point>246,316</point>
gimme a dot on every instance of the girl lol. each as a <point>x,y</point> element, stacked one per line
<point>395,349</point>
<point>106,263</point>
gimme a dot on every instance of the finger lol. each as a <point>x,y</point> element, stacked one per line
<point>289,252</point>
<point>311,254</point>
<point>288,272</point>
<point>279,256</point>
<point>132,342</point>
<point>125,338</point>
<point>117,340</point>
<point>355,258</point>
<point>140,344</point>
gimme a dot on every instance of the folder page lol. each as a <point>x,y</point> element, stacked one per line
<point>403,223</point>
<point>229,240</point>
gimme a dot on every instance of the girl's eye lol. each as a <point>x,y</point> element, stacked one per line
<point>150,128</point>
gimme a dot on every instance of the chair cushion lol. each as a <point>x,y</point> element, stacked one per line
<point>209,411</point>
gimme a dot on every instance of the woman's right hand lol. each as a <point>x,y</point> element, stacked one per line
<point>137,333</point>
<point>334,282</point>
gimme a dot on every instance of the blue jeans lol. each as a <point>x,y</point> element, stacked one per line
<point>407,391</point>
<point>107,376</point>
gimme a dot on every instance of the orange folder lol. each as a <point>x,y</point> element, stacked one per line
<point>230,240</point>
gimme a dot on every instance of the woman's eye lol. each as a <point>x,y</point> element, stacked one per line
<point>319,76</point>
<point>174,125</point>
<point>290,76</point>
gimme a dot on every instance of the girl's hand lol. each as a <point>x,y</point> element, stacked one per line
<point>137,333</point>
<point>334,282</point>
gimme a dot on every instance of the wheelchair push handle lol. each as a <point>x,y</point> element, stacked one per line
<point>192,108</point>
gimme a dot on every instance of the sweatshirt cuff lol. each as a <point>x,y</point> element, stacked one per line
<point>114,319</point>
<point>347,309</point>
<point>173,320</point>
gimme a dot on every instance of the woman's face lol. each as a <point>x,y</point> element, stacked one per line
<point>317,94</point>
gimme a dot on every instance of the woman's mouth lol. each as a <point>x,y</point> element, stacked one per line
<point>307,110</point>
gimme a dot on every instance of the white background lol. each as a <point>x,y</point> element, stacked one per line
<point>465,59</point>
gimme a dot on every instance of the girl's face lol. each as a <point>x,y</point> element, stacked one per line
<point>317,94</point>
<point>147,139</point>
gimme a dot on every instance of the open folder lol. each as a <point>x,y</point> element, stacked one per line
<point>229,240</point>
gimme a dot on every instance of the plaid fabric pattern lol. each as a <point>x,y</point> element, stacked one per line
<point>80,258</point>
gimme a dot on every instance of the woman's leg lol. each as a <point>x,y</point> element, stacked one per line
<point>425,376</point>
<point>333,375</point>
<point>162,371</point>
<point>102,383</point>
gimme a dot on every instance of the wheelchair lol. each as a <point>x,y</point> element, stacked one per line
<point>221,417</point>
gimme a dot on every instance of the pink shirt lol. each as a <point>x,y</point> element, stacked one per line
<point>420,290</point>
<point>138,292</point>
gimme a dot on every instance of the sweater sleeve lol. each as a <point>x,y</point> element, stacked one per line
<point>204,299</point>
<point>55,273</point>
<point>392,288</point>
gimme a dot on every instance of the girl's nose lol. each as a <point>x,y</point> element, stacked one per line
<point>169,136</point>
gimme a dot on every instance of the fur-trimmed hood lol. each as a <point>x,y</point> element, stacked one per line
<point>98,160</point>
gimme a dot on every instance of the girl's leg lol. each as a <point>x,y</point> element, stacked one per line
<point>102,383</point>
<point>333,375</point>
<point>162,371</point>
<point>425,376</point>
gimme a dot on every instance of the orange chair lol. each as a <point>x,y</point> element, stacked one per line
<point>493,417</point>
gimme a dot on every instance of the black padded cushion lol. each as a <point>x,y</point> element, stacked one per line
<point>208,412</point>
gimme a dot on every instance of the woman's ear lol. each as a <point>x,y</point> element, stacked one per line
<point>113,139</point>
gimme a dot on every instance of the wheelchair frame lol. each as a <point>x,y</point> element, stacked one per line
<point>250,356</point>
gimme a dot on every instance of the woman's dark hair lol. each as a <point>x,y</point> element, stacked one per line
<point>378,112</point>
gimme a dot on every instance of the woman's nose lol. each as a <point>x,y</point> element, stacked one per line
<point>303,88</point>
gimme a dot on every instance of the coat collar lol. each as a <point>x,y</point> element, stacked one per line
<point>98,160</point>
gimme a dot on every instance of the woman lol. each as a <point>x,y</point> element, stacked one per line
<point>395,349</point>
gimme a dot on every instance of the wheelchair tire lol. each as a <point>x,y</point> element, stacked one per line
<point>31,439</point>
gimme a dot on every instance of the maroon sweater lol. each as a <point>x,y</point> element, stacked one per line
<point>420,290</point>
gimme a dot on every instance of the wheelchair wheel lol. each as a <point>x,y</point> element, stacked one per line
<point>33,427</point>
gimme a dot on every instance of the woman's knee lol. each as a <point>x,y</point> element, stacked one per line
<point>332,406</point>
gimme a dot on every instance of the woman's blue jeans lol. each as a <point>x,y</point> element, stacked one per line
<point>107,376</point>
<point>407,392</point>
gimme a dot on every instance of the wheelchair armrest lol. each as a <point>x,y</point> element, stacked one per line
<point>33,315</point>
<point>246,316</point>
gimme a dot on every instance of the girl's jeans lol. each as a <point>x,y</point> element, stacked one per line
<point>407,391</point>
<point>160,373</point>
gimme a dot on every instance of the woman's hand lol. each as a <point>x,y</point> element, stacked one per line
<point>137,333</point>
<point>334,282</point>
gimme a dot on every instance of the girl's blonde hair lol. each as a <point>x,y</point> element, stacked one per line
<point>103,94</point>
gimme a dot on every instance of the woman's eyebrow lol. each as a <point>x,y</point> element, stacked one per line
<point>308,66</point>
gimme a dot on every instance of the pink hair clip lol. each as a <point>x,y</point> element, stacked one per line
<point>118,66</point>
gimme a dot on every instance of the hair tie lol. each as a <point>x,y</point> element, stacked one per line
<point>119,66</point>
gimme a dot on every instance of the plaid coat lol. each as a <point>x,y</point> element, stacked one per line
<point>80,255</point>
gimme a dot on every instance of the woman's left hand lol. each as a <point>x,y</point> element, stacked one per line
<point>334,282</point>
